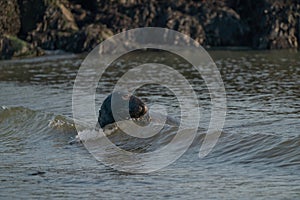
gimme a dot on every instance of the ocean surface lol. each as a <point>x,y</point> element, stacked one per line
<point>257,155</point>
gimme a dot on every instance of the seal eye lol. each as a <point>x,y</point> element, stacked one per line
<point>126,97</point>
<point>141,109</point>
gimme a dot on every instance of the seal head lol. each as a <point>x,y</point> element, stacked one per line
<point>122,103</point>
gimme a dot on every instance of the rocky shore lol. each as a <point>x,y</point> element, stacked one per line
<point>28,27</point>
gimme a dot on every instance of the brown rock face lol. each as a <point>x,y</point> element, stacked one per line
<point>31,13</point>
<point>79,25</point>
<point>274,24</point>
<point>9,17</point>
<point>11,46</point>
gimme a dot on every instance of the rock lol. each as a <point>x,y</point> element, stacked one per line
<point>82,16</point>
<point>9,17</point>
<point>272,23</point>
<point>31,13</point>
<point>187,25</point>
<point>11,46</point>
<point>68,17</point>
<point>56,28</point>
<point>37,173</point>
<point>226,29</point>
<point>79,25</point>
<point>94,34</point>
<point>6,49</point>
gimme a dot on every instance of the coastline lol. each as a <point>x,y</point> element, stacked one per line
<point>77,26</point>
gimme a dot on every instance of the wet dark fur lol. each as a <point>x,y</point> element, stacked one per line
<point>122,102</point>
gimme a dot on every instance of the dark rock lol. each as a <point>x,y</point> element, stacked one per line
<point>224,28</point>
<point>271,22</point>
<point>186,24</point>
<point>94,34</point>
<point>82,16</point>
<point>6,49</point>
<point>31,13</point>
<point>11,46</point>
<point>37,173</point>
<point>9,17</point>
<point>55,30</point>
<point>79,25</point>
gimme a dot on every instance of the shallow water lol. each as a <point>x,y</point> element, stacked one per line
<point>257,156</point>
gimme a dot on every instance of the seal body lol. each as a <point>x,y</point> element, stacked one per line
<point>120,106</point>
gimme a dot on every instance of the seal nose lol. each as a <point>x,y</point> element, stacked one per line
<point>145,109</point>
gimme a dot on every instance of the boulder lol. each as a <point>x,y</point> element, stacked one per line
<point>225,28</point>
<point>79,25</point>
<point>9,17</point>
<point>11,46</point>
<point>188,25</point>
<point>31,13</point>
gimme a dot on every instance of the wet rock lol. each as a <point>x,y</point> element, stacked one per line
<point>82,16</point>
<point>94,34</point>
<point>11,46</point>
<point>272,23</point>
<point>31,13</point>
<point>9,17</point>
<point>55,30</point>
<point>225,28</point>
<point>79,25</point>
<point>187,25</point>
<point>6,49</point>
<point>37,173</point>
